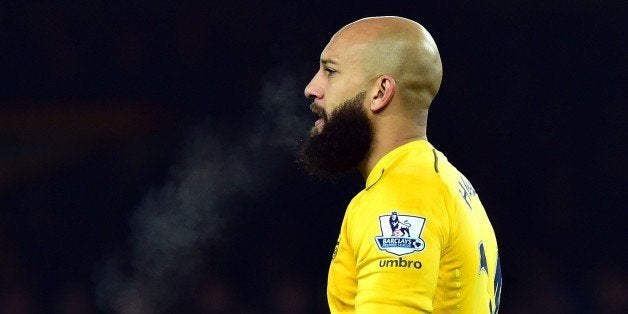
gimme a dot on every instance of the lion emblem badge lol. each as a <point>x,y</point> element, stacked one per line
<point>401,234</point>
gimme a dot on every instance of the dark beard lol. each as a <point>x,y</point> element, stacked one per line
<point>343,143</point>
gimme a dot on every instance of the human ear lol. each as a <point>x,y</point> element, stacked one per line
<point>386,87</point>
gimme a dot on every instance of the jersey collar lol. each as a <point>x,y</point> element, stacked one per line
<point>380,167</point>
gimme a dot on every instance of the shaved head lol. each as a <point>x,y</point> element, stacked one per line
<point>395,62</point>
<point>399,47</point>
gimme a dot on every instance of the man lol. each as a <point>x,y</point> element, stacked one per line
<point>417,238</point>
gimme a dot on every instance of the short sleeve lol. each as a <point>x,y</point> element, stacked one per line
<point>398,242</point>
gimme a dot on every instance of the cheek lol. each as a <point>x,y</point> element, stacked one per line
<point>331,107</point>
<point>334,97</point>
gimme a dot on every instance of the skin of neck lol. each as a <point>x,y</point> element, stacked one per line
<point>390,132</point>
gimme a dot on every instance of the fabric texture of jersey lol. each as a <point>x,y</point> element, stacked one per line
<point>416,240</point>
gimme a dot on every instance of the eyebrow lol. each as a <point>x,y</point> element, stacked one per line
<point>329,61</point>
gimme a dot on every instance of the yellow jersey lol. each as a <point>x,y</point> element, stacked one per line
<point>416,240</point>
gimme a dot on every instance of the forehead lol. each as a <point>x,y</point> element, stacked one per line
<point>343,51</point>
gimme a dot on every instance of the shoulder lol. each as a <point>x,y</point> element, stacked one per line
<point>409,177</point>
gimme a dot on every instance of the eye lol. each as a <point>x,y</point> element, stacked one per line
<point>329,71</point>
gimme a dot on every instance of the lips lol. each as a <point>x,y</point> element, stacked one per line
<point>319,124</point>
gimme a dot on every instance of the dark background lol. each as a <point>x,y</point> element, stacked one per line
<point>98,100</point>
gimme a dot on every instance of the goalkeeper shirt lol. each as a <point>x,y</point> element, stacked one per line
<point>416,240</point>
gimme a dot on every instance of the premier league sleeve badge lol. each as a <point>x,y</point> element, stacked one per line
<point>401,234</point>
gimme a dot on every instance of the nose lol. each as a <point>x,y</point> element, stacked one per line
<point>314,90</point>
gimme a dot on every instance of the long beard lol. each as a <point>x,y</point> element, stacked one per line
<point>343,143</point>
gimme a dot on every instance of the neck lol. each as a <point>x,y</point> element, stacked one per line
<point>380,148</point>
<point>391,131</point>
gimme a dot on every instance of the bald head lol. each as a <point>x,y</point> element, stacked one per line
<point>399,47</point>
<point>390,70</point>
